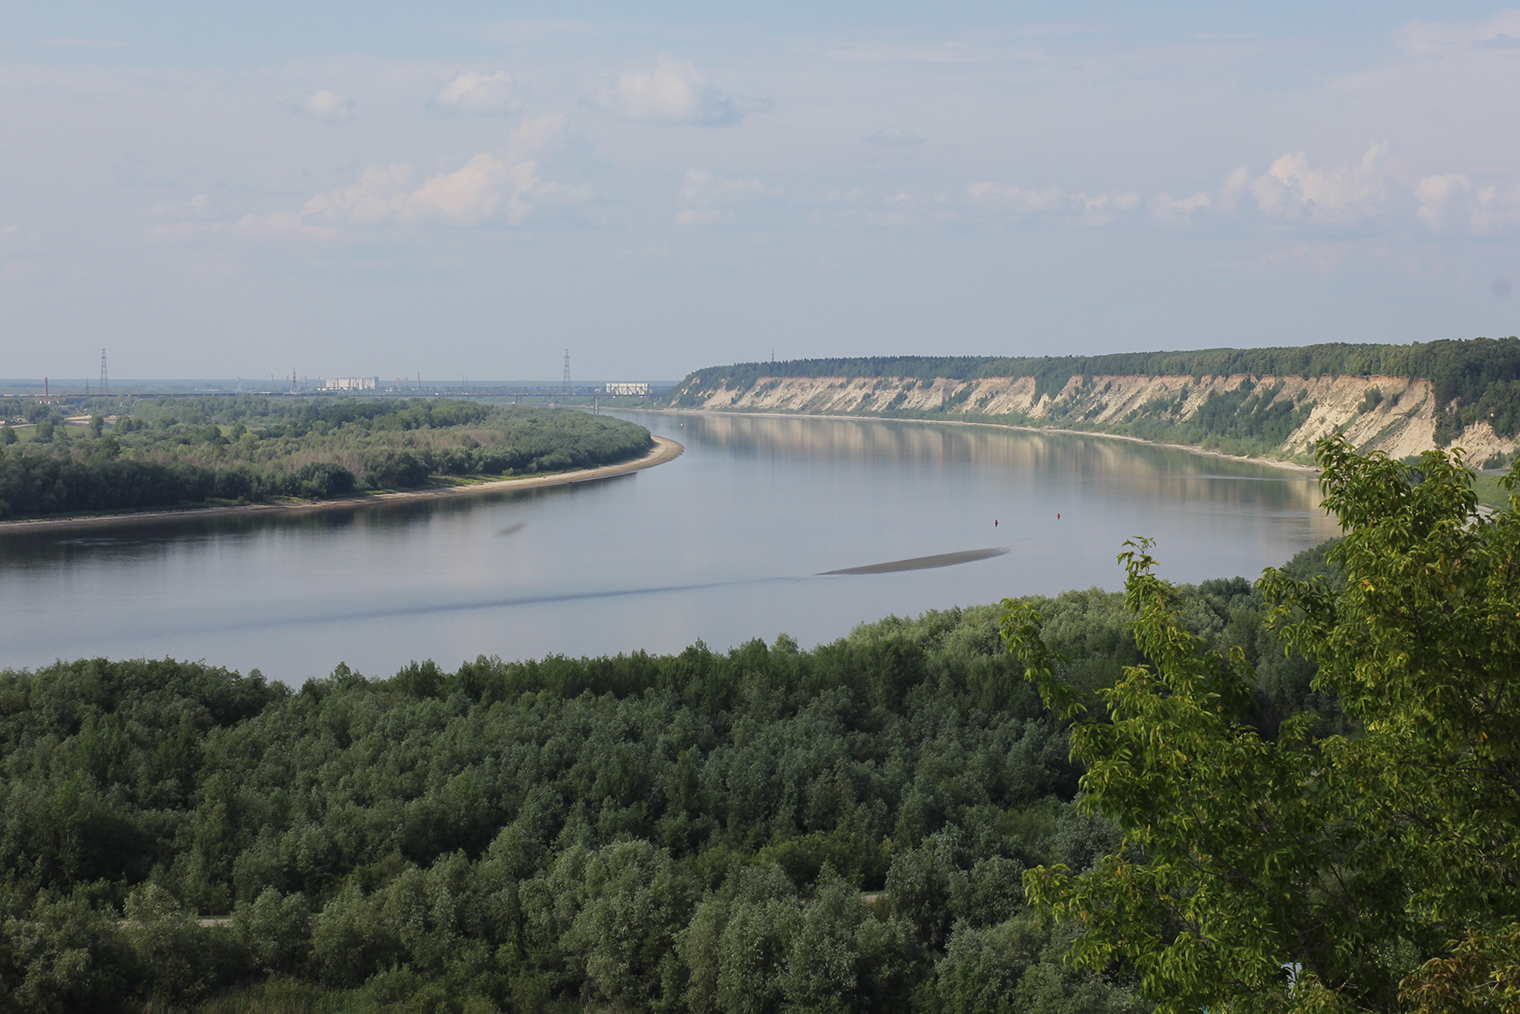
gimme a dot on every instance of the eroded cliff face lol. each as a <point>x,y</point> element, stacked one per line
<point>1282,416</point>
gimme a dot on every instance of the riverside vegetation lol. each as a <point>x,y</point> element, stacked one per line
<point>1297,794</point>
<point>757,830</point>
<point>202,451</point>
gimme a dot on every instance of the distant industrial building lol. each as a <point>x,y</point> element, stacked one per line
<point>626,390</point>
<point>351,383</point>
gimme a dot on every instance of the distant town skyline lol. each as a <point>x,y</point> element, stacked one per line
<point>348,188</point>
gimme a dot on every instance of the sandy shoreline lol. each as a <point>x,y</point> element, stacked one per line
<point>664,450</point>
<point>1307,471</point>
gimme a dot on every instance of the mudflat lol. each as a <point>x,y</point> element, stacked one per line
<point>664,450</point>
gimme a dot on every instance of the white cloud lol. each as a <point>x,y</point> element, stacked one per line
<point>1293,189</point>
<point>1019,200</point>
<point>855,206</point>
<point>1495,208</point>
<point>1054,202</point>
<point>1323,258</point>
<point>379,196</point>
<point>539,131</point>
<point>702,187</point>
<point>1174,212</point>
<point>1451,202</point>
<point>486,188</point>
<point>674,91</point>
<point>274,225</point>
<point>1437,195</point>
<point>470,195</point>
<point>490,187</point>
<point>1089,209</point>
<point>1101,209</point>
<point>895,136</point>
<point>1236,186</point>
<point>485,94</point>
<point>326,105</point>
<point>710,199</point>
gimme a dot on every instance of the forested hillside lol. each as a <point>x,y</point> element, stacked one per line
<point>178,451</point>
<point>762,830</point>
<point>1399,398</point>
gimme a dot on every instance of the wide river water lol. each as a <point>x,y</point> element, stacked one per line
<point>726,543</point>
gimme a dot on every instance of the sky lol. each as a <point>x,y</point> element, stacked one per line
<point>468,189</point>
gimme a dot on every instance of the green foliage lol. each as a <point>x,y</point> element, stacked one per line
<point>1247,417</point>
<point>190,451</point>
<point>60,953</point>
<point>765,829</point>
<point>1351,858</point>
<point>274,931</point>
<point>647,833</point>
<point>176,960</point>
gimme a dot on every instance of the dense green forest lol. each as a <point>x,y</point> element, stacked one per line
<point>1476,379</point>
<point>766,829</point>
<point>1374,869</point>
<point>197,451</point>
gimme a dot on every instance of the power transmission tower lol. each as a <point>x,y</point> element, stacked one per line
<point>105,384</point>
<point>566,383</point>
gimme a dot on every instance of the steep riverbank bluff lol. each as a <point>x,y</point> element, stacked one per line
<point>1439,394</point>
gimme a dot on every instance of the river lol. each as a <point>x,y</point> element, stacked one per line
<point>728,542</point>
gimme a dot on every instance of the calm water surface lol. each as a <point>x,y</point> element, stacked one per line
<point>723,544</point>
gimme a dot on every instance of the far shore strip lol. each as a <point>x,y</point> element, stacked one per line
<point>664,450</point>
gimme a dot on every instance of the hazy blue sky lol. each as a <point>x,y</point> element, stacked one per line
<point>469,188</point>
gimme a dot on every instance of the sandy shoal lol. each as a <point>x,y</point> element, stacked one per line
<point>921,562</point>
<point>664,450</point>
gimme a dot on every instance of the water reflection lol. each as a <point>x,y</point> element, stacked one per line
<point>169,534</point>
<point>720,544</point>
<point>1141,470</point>
<point>870,440</point>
